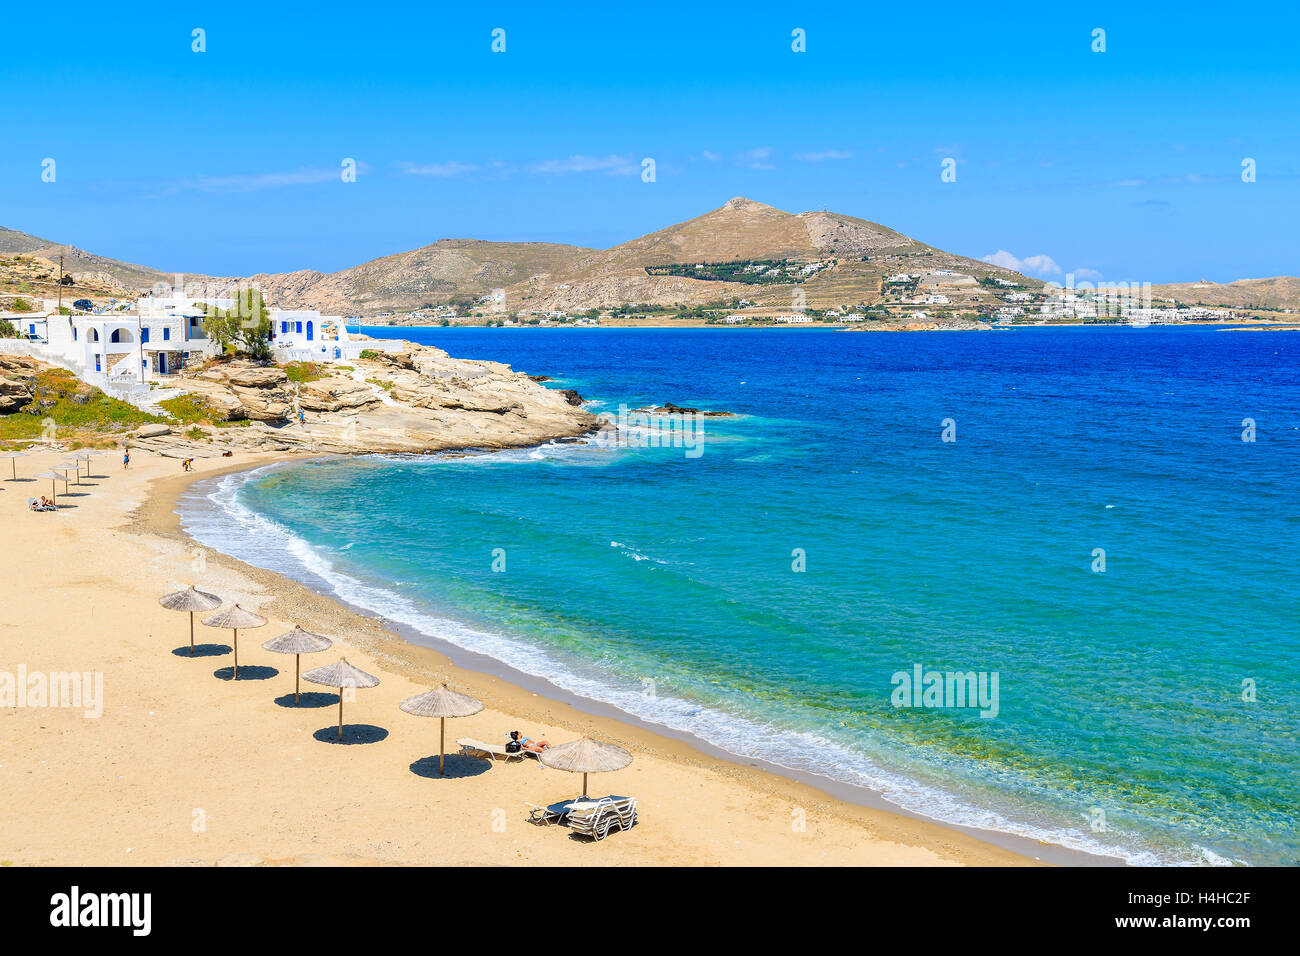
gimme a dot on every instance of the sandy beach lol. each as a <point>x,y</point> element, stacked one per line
<point>185,767</point>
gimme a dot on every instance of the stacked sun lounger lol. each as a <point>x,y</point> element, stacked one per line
<point>596,818</point>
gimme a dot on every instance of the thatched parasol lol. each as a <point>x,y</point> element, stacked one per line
<point>62,472</point>
<point>54,476</point>
<point>441,703</point>
<point>87,455</point>
<point>233,619</point>
<point>341,674</point>
<point>73,466</point>
<point>191,599</point>
<point>586,756</point>
<point>298,642</point>
<point>13,457</point>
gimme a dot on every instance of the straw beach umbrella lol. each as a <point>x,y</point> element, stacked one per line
<point>13,457</point>
<point>341,674</point>
<point>86,456</point>
<point>586,756</point>
<point>73,466</point>
<point>441,703</point>
<point>191,599</point>
<point>62,472</point>
<point>298,642</point>
<point>54,476</point>
<point>233,619</point>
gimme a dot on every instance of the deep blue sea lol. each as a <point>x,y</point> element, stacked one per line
<point>764,594</point>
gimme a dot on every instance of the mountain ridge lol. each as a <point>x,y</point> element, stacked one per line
<point>819,258</point>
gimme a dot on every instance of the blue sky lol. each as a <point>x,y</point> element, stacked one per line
<point>1123,165</point>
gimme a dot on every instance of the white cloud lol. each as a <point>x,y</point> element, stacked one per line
<point>710,155</point>
<point>1041,265</point>
<point>824,155</point>
<point>612,165</point>
<point>445,170</point>
<point>1088,275</point>
<point>757,158</point>
<point>251,182</point>
<point>1004,259</point>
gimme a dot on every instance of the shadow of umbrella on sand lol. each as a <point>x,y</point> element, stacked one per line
<point>298,642</point>
<point>13,457</point>
<point>191,599</point>
<point>586,756</point>
<point>233,619</point>
<point>341,674</point>
<point>441,703</point>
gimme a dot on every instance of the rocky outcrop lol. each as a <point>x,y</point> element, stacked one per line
<point>335,394</point>
<point>242,389</point>
<point>17,376</point>
<point>668,408</point>
<point>417,400</point>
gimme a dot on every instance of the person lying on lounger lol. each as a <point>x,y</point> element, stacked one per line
<point>528,743</point>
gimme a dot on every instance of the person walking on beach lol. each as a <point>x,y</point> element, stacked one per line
<point>126,457</point>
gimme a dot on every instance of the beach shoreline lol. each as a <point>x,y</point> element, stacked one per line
<point>429,654</point>
<point>284,793</point>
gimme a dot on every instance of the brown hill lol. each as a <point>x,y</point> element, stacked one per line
<point>1278,292</point>
<point>428,275</point>
<point>96,270</point>
<point>857,254</point>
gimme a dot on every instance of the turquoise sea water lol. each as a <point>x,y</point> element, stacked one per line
<point>666,584</point>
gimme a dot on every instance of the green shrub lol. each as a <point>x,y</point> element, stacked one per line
<point>301,372</point>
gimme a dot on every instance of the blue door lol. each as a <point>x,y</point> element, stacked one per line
<point>162,362</point>
<point>309,335</point>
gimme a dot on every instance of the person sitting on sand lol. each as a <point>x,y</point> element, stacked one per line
<point>528,743</point>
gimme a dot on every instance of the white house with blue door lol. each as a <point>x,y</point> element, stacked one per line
<point>306,335</point>
<point>157,341</point>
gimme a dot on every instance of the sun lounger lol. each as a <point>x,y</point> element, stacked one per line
<point>555,813</point>
<point>469,747</point>
<point>596,818</point>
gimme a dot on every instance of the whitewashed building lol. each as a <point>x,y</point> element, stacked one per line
<point>158,340</point>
